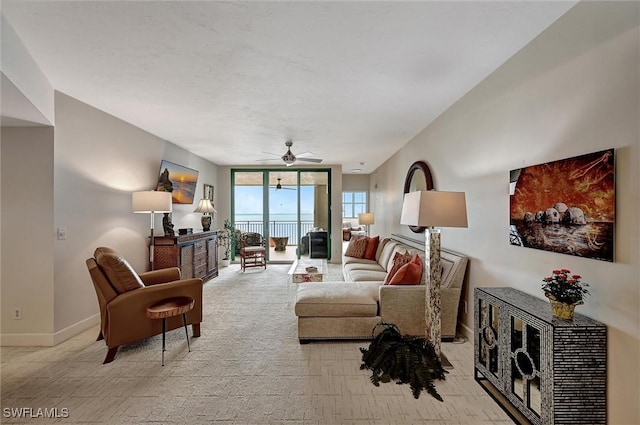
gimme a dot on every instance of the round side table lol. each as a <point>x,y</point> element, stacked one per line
<point>168,308</point>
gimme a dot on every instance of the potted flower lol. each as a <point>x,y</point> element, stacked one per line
<point>565,291</point>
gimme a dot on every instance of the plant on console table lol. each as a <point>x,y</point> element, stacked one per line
<point>565,292</point>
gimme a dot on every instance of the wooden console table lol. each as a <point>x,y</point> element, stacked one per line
<point>541,369</point>
<point>196,254</point>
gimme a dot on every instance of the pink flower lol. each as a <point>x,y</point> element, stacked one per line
<point>556,271</point>
<point>576,276</point>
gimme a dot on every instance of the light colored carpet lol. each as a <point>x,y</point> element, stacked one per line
<point>246,368</point>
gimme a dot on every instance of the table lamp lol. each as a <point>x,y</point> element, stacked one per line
<point>430,208</point>
<point>206,208</point>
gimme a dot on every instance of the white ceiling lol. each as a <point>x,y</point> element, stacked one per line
<point>352,82</point>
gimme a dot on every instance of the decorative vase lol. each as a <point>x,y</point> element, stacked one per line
<point>562,310</point>
<point>225,262</point>
<point>206,223</point>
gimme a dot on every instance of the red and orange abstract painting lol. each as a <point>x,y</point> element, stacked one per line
<point>566,206</point>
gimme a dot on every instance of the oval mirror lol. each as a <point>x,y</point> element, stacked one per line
<point>418,178</point>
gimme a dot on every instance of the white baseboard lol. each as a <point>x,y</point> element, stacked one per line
<point>76,328</point>
<point>467,332</point>
<point>48,339</point>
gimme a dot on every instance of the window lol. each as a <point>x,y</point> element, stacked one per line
<point>353,203</point>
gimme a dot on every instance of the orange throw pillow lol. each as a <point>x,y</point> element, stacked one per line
<point>409,274</point>
<point>356,248</point>
<point>399,260</point>
<point>372,248</point>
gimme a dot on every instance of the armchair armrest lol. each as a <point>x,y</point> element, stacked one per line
<point>160,276</point>
<point>127,313</point>
<point>404,305</point>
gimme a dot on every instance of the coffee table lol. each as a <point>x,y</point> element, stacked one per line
<point>300,274</point>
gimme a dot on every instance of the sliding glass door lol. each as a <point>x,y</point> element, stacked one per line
<point>284,215</point>
<point>289,207</point>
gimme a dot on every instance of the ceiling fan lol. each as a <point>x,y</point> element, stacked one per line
<point>289,158</point>
<point>280,187</point>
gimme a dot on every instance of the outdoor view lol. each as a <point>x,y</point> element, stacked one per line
<point>276,205</point>
<point>283,204</point>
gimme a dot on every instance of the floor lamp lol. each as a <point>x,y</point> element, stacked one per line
<point>366,219</point>
<point>150,201</point>
<point>429,208</point>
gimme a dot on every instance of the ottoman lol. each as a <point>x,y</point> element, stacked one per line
<point>337,310</point>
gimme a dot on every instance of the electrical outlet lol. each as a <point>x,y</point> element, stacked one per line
<point>62,233</point>
<point>465,307</point>
<point>17,314</point>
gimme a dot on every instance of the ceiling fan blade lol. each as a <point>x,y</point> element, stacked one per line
<point>316,160</point>
<point>306,154</point>
<point>269,159</point>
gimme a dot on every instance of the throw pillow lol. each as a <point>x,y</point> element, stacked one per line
<point>356,248</point>
<point>372,248</point>
<point>118,270</point>
<point>409,274</point>
<point>399,260</point>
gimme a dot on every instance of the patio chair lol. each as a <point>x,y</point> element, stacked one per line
<point>253,252</point>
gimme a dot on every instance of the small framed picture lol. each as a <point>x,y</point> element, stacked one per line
<point>208,192</point>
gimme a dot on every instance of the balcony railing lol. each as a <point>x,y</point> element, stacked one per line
<point>277,229</point>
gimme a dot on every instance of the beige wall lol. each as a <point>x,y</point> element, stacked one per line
<point>81,180</point>
<point>574,90</point>
<point>355,182</point>
<point>26,272</point>
<point>99,161</point>
<point>33,98</point>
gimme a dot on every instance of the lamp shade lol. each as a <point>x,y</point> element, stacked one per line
<point>205,206</point>
<point>366,218</point>
<point>430,208</point>
<point>150,201</point>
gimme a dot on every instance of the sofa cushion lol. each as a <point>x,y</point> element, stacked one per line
<point>399,260</point>
<point>386,256</point>
<point>354,260</point>
<point>337,299</point>
<point>356,248</point>
<point>381,246</point>
<point>367,276</point>
<point>118,270</point>
<point>408,274</point>
<point>372,248</point>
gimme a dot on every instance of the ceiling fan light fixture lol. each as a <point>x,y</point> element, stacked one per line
<point>288,158</point>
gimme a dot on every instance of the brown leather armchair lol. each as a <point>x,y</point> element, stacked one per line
<point>124,295</point>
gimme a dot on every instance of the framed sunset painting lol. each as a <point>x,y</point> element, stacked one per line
<point>565,206</point>
<point>180,181</point>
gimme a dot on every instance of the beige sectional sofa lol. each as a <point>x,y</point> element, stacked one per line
<point>350,309</point>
